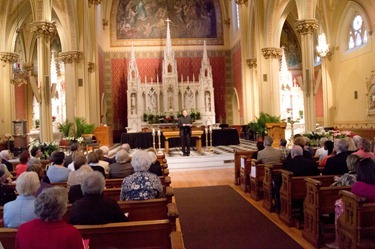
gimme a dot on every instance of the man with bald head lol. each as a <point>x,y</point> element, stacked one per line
<point>299,165</point>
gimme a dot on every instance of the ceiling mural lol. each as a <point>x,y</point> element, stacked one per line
<point>144,22</point>
<point>291,46</point>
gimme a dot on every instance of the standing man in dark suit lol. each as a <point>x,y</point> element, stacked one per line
<point>184,123</point>
<point>336,165</point>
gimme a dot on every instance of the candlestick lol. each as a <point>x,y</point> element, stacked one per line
<point>206,131</point>
<point>159,151</point>
<point>211,148</point>
<point>153,139</point>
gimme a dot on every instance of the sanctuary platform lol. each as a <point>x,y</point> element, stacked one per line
<point>220,157</point>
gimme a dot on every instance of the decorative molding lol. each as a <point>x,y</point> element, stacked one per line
<point>28,66</point>
<point>355,125</point>
<point>94,2</point>
<point>91,67</point>
<point>251,63</point>
<point>104,23</point>
<point>307,26</point>
<point>240,2</point>
<point>272,53</point>
<point>44,29</point>
<point>7,57</point>
<point>227,22</point>
<point>71,56</point>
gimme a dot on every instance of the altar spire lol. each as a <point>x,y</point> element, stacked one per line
<point>168,45</point>
<point>133,74</point>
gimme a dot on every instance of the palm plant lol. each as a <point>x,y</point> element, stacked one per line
<point>65,128</point>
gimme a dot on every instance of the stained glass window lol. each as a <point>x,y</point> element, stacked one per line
<point>357,33</point>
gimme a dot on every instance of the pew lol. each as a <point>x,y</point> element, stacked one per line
<point>237,163</point>
<point>270,171</point>
<point>114,193</point>
<point>136,234</point>
<point>245,173</point>
<point>320,200</point>
<point>256,179</point>
<point>293,190</point>
<point>154,209</point>
<point>117,182</point>
<point>356,225</point>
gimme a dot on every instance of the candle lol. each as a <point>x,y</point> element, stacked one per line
<point>158,132</point>
<point>153,131</point>
<point>205,129</point>
<point>211,128</point>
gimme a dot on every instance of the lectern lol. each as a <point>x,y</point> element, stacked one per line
<point>20,136</point>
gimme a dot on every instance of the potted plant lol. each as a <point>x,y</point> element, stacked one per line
<point>65,128</point>
<point>81,127</point>
<point>258,127</point>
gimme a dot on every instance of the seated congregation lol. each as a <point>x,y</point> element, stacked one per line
<point>50,199</point>
<point>329,192</point>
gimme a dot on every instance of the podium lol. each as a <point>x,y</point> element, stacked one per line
<point>104,135</point>
<point>277,132</point>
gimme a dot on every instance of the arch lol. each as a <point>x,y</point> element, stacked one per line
<point>235,107</point>
<point>345,21</point>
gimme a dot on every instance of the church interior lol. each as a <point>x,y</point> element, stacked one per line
<point>117,64</point>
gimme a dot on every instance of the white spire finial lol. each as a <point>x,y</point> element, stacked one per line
<point>132,55</point>
<point>168,42</point>
<point>205,57</point>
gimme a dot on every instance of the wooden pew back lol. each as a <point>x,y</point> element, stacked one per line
<point>237,162</point>
<point>270,171</point>
<point>319,200</point>
<point>293,189</point>
<point>137,234</point>
<point>356,225</point>
<point>256,179</point>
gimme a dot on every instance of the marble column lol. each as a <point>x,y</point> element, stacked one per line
<point>44,31</point>
<point>7,106</point>
<point>71,60</point>
<point>306,29</point>
<point>270,94</point>
<point>253,90</point>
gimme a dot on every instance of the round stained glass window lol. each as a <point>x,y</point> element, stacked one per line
<point>357,22</point>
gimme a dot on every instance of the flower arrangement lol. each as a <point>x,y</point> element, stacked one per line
<point>53,118</point>
<point>340,134</point>
<point>46,148</point>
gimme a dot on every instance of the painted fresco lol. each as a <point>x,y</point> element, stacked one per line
<point>291,46</point>
<point>146,19</point>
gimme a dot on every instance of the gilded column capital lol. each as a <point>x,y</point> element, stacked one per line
<point>239,2</point>
<point>91,67</point>
<point>307,26</point>
<point>272,53</point>
<point>7,57</point>
<point>251,63</point>
<point>44,29</point>
<point>70,56</point>
<point>94,2</point>
<point>28,66</point>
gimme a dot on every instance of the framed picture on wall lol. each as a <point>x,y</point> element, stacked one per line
<point>371,94</point>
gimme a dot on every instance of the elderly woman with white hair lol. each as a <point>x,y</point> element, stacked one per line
<point>107,158</point>
<point>142,184</point>
<point>94,208</point>
<point>49,230</point>
<point>155,164</point>
<point>122,168</point>
<point>21,209</point>
<point>5,157</point>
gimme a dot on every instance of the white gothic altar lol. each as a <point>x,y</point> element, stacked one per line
<point>169,97</point>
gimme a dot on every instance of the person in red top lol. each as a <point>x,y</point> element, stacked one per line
<point>24,158</point>
<point>49,230</point>
<point>365,149</point>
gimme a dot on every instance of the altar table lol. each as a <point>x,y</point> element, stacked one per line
<point>173,134</point>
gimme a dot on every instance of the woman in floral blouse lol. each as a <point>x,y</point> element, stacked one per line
<point>349,178</point>
<point>142,184</point>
